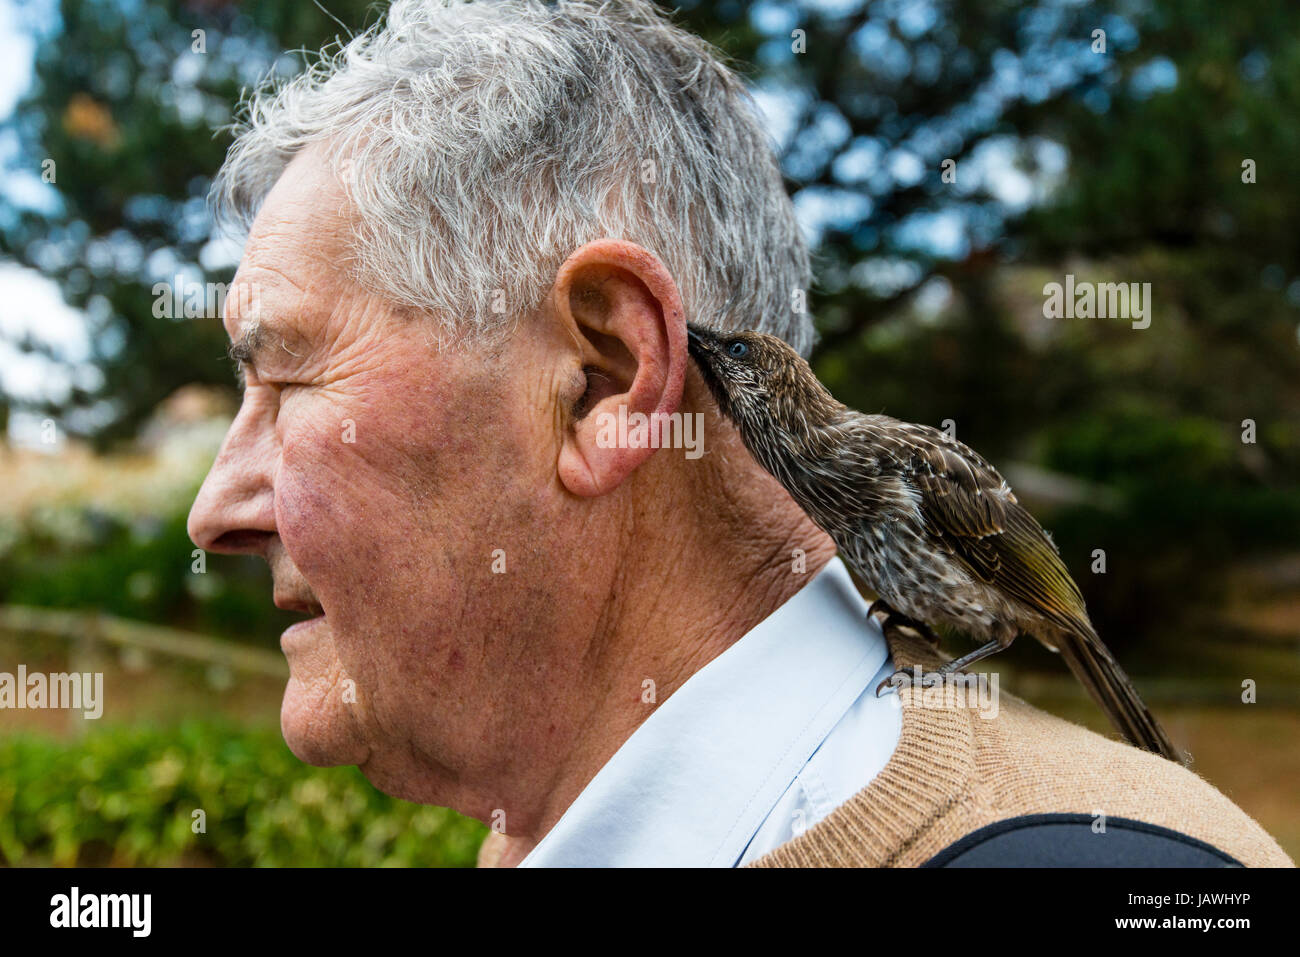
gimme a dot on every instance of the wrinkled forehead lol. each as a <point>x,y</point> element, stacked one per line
<point>294,259</point>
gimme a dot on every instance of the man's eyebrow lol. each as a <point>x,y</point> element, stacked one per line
<point>256,343</point>
<point>244,349</point>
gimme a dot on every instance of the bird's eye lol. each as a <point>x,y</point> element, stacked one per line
<point>738,350</point>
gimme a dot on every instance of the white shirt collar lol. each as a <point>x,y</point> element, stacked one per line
<point>697,779</point>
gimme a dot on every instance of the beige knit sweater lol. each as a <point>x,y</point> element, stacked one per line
<point>954,772</point>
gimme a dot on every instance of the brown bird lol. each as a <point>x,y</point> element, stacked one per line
<point>923,519</point>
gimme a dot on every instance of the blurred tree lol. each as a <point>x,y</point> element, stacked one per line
<point>125,95</point>
<point>949,158</point>
<point>125,100</point>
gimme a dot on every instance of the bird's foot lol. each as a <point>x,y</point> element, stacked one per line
<point>903,678</point>
<point>894,681</point>
<point>979,654</point>
<point>900,678</point>
<point>889,618</point>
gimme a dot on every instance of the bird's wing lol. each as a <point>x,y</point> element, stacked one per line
<point>1033,572</point>
<point>972,514</point>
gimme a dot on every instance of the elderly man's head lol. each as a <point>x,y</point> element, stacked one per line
<point>475,235</point>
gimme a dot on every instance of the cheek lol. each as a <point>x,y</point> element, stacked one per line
<point>393,493</point>
<point>389,501</point>
<point>355,524</point>
<point>353,487</point>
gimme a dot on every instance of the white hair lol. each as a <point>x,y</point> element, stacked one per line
<point>483,142</point>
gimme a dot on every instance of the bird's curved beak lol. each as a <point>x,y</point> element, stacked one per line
<point>699,341</point>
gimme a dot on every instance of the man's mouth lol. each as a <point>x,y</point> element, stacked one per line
<point>307,605</point>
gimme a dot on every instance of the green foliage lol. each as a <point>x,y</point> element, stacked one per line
<point>126,796</point>
<point>139,569</point>
<point>1128,447</point>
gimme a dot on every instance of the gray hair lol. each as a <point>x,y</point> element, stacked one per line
<point>482,143</point>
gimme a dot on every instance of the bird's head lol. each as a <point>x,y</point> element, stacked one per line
<point>761,383</point>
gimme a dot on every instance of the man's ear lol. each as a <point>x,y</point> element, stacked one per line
<point>622,308</point>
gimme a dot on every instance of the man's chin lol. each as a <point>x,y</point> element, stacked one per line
<point>393,775</point>
<point>320,729</point>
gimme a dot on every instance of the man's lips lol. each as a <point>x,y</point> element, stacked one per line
<point>307,606</point>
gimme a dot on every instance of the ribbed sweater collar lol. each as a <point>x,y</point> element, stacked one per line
<point>930,771</point>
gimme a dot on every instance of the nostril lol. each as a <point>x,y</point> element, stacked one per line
<point>240,540</point>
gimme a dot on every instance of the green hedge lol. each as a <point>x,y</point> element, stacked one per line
<point>126,796</point>
<point>80,558</point>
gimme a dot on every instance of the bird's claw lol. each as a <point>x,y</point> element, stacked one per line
<point>892,681</point>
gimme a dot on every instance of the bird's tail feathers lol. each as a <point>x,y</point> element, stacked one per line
<point>1099,672</point>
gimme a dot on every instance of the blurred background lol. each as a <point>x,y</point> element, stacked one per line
<point>948,160</point>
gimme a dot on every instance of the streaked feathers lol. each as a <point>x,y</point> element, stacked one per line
<point>930,524</point>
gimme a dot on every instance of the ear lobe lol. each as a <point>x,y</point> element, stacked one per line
<point>624,311</point>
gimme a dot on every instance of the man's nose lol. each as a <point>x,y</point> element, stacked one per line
<point>235,508</point>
